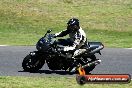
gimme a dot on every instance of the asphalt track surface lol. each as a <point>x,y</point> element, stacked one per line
<point>114,61</point>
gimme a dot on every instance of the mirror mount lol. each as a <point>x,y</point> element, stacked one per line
<point>49,31</point>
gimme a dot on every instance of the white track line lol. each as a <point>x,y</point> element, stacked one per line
<point>3,45</point>
<point>122,48</point>
<point>128,48</point>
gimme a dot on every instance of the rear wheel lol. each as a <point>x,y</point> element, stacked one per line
<point>89,69</point>
<point>32,63</point>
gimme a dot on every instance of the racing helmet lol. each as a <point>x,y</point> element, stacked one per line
<point>73,21</point>
<point>73,25</point>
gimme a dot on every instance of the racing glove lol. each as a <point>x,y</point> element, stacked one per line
<point>68,48</point>
<point>53,35</point>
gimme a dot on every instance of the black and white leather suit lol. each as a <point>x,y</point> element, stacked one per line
<point>75,41</point>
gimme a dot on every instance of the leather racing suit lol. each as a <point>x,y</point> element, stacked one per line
<point>76,40</point>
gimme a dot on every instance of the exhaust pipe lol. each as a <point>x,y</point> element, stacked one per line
<point>96,62</point>
<point>81,68</point>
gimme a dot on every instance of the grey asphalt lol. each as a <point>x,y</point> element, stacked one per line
<point>114,61</point>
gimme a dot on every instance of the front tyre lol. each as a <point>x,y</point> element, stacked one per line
<point>32,63</point>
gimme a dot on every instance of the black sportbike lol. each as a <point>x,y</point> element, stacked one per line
<point>49,51</point>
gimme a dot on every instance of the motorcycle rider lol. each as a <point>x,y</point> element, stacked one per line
<point>77,37</point>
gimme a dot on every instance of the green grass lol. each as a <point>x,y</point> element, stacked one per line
<point>23,22</point>
<point>51,82</point>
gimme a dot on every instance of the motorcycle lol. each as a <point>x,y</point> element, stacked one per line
<point>49,51</point>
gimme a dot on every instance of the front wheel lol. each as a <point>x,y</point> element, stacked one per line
<point>32,63</point>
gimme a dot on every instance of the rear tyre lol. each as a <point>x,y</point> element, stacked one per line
<point>32,63</point>
<point>89,69</point>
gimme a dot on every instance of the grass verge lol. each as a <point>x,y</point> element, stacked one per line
<point>51,82</point>
<point>23,22</point>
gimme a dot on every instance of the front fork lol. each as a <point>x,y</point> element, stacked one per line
<point>33,53</point>
<point>38,53</point>
<point>38,56</point>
